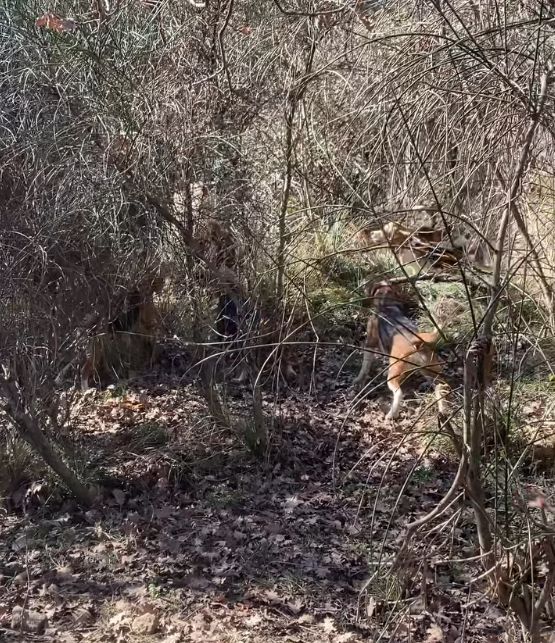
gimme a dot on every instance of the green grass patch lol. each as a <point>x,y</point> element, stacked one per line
<point>149,435</point>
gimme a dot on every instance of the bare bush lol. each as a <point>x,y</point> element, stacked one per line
<point>128,130</point>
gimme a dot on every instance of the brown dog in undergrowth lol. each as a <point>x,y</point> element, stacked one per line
<point>128,340</point>
<point>391,332</point>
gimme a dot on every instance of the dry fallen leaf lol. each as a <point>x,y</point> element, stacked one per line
<point>305,619</point>
<point>344,638</point>
<point>132,405</point>
<point>295,606</point>
<point>434,634</point>
<point>119,619</point>
<point>55,23</point>
<point>253,620</point>
<point>82,616</point>
<point>146,624</point>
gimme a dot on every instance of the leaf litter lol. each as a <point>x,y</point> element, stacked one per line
<point>197,540</point>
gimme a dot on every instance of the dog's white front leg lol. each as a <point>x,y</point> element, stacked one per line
<point>396,404</point>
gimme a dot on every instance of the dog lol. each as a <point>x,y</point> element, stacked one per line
<point>428,246</point>
<point>397,234</point>
<point>128,338</point>
<point>249,335</point>
<point>392,332</point>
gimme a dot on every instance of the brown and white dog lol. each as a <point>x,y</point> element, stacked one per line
<point>391,332</point>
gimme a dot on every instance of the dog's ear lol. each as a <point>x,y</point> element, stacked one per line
<point>370,292</point>
<point>368,289</point>
<point>381,285</point>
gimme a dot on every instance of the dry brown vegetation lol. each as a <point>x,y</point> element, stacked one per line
<point>261,153</point>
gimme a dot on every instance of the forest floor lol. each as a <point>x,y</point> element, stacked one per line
<point>197,539</point>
